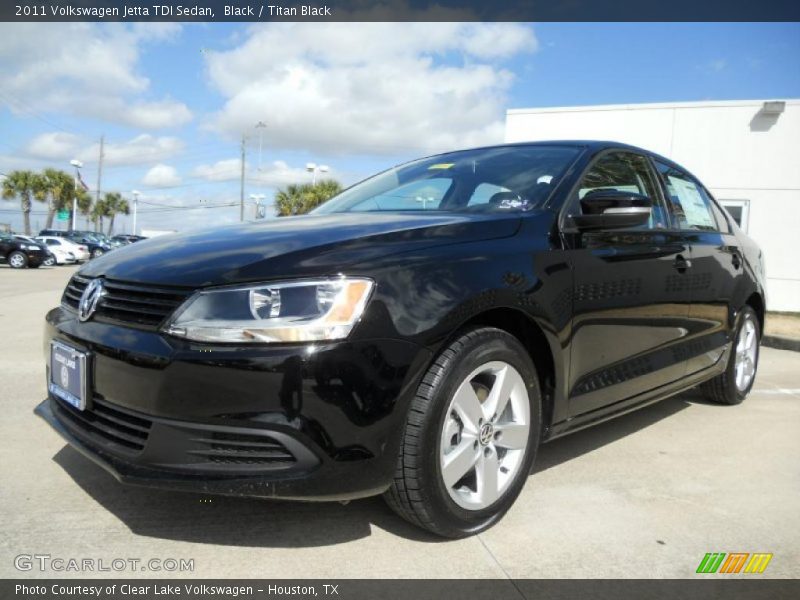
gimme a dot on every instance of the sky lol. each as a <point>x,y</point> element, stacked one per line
<point>173,101</point>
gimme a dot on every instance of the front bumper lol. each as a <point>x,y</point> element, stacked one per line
<point>294,421</point>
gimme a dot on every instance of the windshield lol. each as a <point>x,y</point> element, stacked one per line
<point>506,178</point>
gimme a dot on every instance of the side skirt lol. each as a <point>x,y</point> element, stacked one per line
<point>630,404</point>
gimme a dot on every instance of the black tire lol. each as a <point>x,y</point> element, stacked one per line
<point>418,492</point>
<point>18,260</point>
<point>97,252</point>
<point>49,262</point>
<point>723,389</point>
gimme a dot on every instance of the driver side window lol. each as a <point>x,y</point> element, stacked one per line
<point>624,172</point>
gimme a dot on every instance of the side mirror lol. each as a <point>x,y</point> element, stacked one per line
<point>612,209</point>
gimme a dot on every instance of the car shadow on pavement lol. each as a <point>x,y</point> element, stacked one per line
<point>587,440</point>
<point>231,520</point>
<point>254,522</point>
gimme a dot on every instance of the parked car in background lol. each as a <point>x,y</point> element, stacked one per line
<point>418,335</point>
<point>96,247</point>
<point>101,238</point>
<point>50,258</point>
<point>65,251</point>
<point>81,251</point>
<point>20,254</point>
<point>128,238</point>
<point>97,243</point>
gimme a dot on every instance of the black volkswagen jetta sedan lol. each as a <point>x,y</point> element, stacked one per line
<point>417,336</point>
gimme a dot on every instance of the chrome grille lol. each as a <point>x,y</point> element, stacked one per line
<point>141,305</point>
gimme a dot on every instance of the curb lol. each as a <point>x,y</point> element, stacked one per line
<point>780,342</point>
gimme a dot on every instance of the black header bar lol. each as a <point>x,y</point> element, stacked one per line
<point>400,10</point>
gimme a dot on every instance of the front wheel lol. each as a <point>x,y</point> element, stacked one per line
<point>733,386</point>
<point>470,437</point>
<point>18,260</point>
<point>49,261</point>
<point>97,252</point>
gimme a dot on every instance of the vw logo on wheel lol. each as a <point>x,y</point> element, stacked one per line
<point>90,298</point>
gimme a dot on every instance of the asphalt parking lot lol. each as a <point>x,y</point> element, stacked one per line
<point>645,496</point>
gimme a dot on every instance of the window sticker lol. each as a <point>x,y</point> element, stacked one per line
<point>694,207</point>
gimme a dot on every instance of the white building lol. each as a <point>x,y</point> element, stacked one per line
<point>746,152</point>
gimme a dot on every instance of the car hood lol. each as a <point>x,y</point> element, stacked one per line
<point>302,246</point>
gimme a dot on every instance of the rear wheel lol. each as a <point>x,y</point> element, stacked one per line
<point>471,436</point>
<point>733,386</point>
<point>97,252</point>
<point>18,260</point>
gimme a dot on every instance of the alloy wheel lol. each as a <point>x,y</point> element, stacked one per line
<point>17,261</point>
<point>485,435</point>
<point>746,353</point>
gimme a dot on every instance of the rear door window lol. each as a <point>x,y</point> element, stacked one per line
<point>689,203</point>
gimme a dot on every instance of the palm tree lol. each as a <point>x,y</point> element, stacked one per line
<point>84,201</point>
<point>299,199</point>
<point>60,186</point>
<point>99,210</point>
<point>115,205</point>
<point>28,186</point>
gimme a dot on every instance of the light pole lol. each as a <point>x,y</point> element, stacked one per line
<point>313,168</point>
<point>257,198</point>
<point>261,126</point>
<point>135,206</point>
<point>78,166</point>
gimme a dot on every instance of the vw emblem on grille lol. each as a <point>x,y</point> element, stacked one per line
<point>90,299</point>
<point>64,377</point>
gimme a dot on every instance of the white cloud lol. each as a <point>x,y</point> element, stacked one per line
<point>275,174</point>
<point>718,64</point>
<point>85,69</point>
<point>162,176</point>
<point>141,149</point>
<point>222,170</point>
<point>54,146</point>
<point>369,87</point>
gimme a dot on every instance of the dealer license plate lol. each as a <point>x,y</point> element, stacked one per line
<point>68,376</point>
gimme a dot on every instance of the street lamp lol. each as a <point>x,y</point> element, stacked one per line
<point>313,168</point>
<point>136,194</point>
<point>78,166</point>
<point>261,126</point>
<point>257,198</point>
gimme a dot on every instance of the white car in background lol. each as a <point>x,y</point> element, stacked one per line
<point>61,246</point>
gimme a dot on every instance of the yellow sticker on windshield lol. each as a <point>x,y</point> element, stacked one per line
<point>441,166</point>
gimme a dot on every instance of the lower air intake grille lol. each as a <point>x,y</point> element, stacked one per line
<point>106,423</point>
<point>242,449</point>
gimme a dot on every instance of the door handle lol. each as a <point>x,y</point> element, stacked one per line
<point>736,260</point>
<point>681,263</point>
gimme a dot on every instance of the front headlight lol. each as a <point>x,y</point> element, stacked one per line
<point>293,311</point>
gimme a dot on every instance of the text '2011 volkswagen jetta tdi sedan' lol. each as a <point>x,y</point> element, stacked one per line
<point>417,336</point>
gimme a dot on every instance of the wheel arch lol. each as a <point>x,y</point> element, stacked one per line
<point>756,302</point>
<point>531,335</point>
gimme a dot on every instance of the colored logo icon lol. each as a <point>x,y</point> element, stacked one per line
<point>734,562</point>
